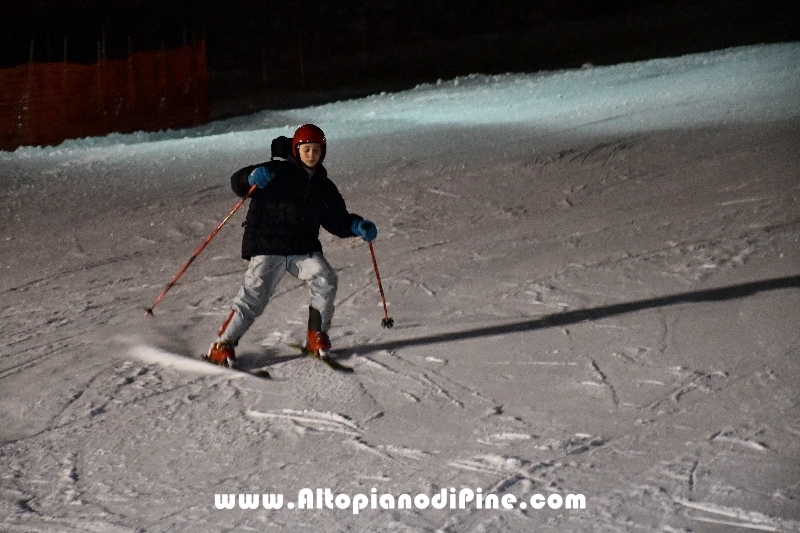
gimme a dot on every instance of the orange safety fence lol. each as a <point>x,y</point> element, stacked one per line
<point>46,103</point>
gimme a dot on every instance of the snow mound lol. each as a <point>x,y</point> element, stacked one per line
<point>151,355</point>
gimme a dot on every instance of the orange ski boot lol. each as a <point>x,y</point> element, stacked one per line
<point>319,345</point>
<point>222,354</point>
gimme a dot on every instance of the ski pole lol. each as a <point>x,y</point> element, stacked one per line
<point>197,252</point>
<point>386,322</point>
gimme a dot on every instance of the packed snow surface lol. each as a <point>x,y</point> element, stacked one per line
<point>594,276</point>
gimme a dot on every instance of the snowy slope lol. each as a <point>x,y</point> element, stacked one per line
<point>594,279</point>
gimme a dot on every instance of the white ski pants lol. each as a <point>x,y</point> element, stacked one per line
<point>261,279</point>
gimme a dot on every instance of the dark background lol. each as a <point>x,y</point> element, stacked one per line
<point>273,53</point>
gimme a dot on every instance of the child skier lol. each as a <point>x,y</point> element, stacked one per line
<point>293,198</point>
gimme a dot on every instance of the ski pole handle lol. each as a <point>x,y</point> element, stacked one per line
<point>174,280</point>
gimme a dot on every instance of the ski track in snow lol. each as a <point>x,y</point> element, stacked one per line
<point>593,276</point>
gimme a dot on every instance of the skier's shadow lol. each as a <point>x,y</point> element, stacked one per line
<point>582,315</point>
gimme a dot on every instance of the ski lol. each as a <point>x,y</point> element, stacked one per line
<point>261,372</point>
<point>331,363</point>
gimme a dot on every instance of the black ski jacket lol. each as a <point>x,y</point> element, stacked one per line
<point>285,216</point>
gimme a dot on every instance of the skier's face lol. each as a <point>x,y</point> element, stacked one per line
<point>310,154</point>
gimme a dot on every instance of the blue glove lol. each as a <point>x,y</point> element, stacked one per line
<point>364,229</point>
<point>260,177</point>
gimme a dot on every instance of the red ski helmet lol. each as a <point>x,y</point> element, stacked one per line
<point>308,133</point>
